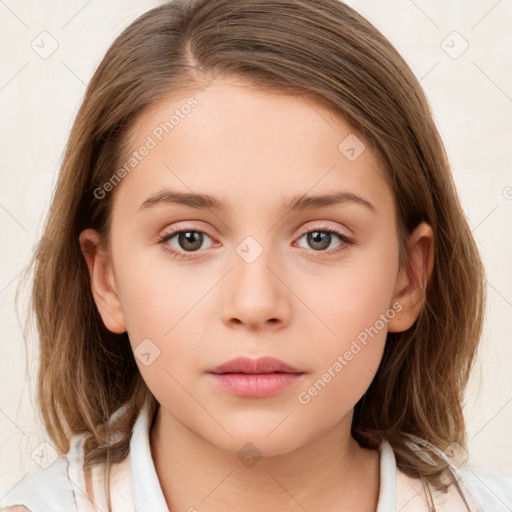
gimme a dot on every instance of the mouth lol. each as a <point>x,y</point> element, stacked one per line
<point>261,366</point>
<point>255,378</point>
<point>253,385</point>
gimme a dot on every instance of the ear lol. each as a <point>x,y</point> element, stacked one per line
<point>103,282</point>
<point>411,283</point>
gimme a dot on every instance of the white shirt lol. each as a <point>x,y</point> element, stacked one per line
<point>65,487</point>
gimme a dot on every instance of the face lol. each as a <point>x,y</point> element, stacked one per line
<point>196,283</point>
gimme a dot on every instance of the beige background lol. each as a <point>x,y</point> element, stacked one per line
<point>471,97</point>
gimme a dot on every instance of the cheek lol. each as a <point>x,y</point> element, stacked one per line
<point>167,304</point>
<point>160,322</point>
<point>157,294</point>
<point>346,359</point>
<point>355,306</point>
<point>355,296</point>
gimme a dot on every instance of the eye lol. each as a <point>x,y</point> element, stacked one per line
<point>186,241</point>
<point>321,238</point>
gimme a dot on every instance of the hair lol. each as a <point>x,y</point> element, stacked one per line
<point>321,50</point>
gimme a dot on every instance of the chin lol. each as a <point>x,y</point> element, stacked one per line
<point>260,438</point>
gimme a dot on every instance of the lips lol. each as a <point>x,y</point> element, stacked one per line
<point>258,366</point>
<point>255,378</point>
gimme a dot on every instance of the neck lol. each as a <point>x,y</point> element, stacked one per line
<point>330,472</point>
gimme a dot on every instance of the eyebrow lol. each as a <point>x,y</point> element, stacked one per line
<point>205,201</point>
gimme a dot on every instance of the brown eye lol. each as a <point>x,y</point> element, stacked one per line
<point>190,240</point>
<point>319,240</point>
<point>179,243</point>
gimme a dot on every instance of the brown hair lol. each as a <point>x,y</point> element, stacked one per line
<point>323,50</point>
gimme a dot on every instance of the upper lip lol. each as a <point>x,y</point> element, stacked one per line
<point>254,366</point>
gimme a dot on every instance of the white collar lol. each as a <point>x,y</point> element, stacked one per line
<point>149,497</point>
<point>147,492</point>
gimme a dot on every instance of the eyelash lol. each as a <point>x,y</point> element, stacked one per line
<point>324,229</point>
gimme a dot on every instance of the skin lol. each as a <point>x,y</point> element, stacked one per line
<point>252,149</point>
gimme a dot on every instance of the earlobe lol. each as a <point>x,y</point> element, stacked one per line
<point>103,284</point>
<point>411,284</point>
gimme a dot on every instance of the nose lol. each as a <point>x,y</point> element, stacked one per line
<point>255,295</point>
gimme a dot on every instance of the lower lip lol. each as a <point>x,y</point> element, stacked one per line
<point>255,385</point>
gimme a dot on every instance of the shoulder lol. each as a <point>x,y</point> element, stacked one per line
<point>49,489</point>
<point>492,490</point>
<point>64,486</point>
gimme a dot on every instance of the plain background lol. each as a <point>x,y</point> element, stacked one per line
<point>471,96</point>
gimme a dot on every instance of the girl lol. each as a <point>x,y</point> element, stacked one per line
<point>257,289</point>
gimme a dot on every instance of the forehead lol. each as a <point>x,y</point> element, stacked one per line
<point>248,147</point>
